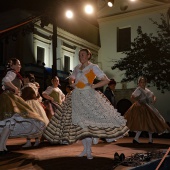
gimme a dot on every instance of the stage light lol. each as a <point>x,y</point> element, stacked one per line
<point>89,9</point>
<point>110,3</point>
<point>69,14</point>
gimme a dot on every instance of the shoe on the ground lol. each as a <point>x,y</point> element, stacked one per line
<point>7,151</point>
<point>82,154</point>
<point>150,142</point>
<point>2,153</point>
<point>111,140</point>
<point>36,143</point>
<point>27,145</point>
<point>64,142</point>
<point>116,156</point>
<point>89,156</point>
<point>95,141</point>
<point>122,157</point>
<point>135,141</point>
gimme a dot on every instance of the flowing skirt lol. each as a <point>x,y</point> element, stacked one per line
<point>21,127</point>
<point>50,108</point>
<point>36,105</point>
<point>22,120</point>
<point>145,118</point>
<point>85,113</point>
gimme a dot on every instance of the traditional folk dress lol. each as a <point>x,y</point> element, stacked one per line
<point>15,113</point>
<point>85,112</point>
<point>57,95</point>
<point>31,95</point>
<point>145,117</point>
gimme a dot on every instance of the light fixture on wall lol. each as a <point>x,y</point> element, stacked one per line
<point>110,3</point>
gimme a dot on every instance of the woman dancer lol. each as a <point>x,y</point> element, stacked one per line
<point>31,95</point>
<point>54,97</point>
<point>142,115</point>
<point>86,113</point>
<point>17,119</point>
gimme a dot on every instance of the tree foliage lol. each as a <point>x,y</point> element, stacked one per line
<point>149,56</point>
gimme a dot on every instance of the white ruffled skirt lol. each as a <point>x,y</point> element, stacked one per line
<point>23,127</point>
<point>16,114</point>
<point>85,113</point>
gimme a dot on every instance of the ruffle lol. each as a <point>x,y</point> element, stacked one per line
<point>21,127</point>
<point>92,108</point>
<point>61,127</point>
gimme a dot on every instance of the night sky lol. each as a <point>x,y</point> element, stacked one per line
<point>43,6</point>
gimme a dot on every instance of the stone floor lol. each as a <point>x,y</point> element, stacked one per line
<point>63,157</point>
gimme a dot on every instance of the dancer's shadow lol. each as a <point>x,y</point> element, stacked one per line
<point>75,163</point>
<point>23,161</point>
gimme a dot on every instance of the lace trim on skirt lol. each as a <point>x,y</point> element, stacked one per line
<point>92,108</point>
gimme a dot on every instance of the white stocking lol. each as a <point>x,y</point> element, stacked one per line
<point>85,148</point>
<point>150,137</point>
<point>3,139</point>
<point>89,144</point>
<point>137,135</point>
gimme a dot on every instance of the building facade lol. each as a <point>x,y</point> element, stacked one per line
<point>123,20</point>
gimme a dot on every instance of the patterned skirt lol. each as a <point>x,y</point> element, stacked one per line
<point>145,118</point>
<point>22,120</point>
<point>85,113</point>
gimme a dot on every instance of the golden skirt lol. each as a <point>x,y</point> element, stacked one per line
<point>143,118</point>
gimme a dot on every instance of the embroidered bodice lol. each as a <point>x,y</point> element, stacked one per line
<point>86,76</point>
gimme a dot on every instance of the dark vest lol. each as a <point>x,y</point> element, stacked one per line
<point>16,82</point>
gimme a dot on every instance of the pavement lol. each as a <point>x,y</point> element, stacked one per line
<point>64,157</point>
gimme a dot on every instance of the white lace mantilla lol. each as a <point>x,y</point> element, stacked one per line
<point>90,108</point>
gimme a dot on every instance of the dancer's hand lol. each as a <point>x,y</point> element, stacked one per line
<point>51,99</point>
<point>16,91</point>
<point>92,86</point>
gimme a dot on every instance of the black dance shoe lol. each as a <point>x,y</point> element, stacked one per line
<point>150,142</point>
<point>122,157</point>
<point>2,153</point>
<point>116,157</point>
<point>7,151</point>
<point>135,141</point>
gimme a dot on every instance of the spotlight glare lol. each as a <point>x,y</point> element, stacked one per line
<point>109,4</point>
<point>69,14</point>
<point>88,9</point>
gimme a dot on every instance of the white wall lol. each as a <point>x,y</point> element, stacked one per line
<point>108,52</point>
<point>67,44</point>
<point>47,55</point>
